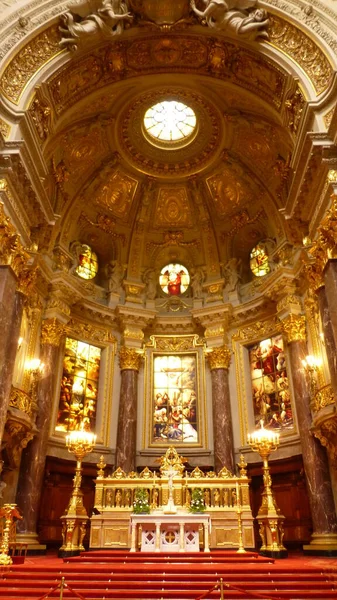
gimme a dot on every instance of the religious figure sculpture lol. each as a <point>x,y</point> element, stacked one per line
<point>92,18</point>
<point>150,279</point>
<point>197,279</point>
<point>115,271</point>
<point>232,274</point>
<point>232,16</point>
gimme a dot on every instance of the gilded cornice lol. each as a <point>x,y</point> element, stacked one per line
<point>129,358</point>
<point>294,327</point>
<point>219,358</point>
<point>172,343</point>
<point>90,332</point>
<point>52,332</point>
<point>257,330</point>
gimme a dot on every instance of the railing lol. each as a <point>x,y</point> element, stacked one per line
<point>62,586</point>
<point>220,585</point>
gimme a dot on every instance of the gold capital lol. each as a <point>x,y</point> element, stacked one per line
<point>129,358</point>
<point>52,332</point>
<point>294,327</point>
<point>219,358</point>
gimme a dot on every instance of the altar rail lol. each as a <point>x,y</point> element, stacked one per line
<point>223,494</point>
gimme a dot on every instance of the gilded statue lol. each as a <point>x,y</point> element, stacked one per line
<point>233,16</point>
<point>90,19</point>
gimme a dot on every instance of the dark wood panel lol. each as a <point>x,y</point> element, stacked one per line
<point>290,492</point>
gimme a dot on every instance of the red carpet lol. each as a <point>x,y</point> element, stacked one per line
<point>101,575</point>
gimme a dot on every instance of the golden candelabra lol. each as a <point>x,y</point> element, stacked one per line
<point>312,366</point>
<point>74,521</point>
<point>241,549</point>
<point>35,368</point>
<point>269,517</point>
<point>8,512</point>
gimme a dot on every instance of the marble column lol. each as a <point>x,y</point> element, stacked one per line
<point>315,460</point>
<point>219,361</point>
<point>11,308</point>
<point>34,456</point>
<point>129,362</point>
<point>329,339</point>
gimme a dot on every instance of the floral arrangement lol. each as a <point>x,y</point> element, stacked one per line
<point>197,501</point>
<point>141,501</point>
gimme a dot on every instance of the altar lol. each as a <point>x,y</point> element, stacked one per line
<point>170,533</point>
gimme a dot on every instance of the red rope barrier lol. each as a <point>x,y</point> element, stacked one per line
<point>221,584</point>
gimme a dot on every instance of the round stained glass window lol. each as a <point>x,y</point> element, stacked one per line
<point>87,263</point>
<point>174,279</point>
<point>170,121</point>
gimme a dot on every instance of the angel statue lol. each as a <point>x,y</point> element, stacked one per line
<point>92,18</point>
<point>115,272</point>
<point>232,16</point>
<point>197,279</point>
<point>232,273</point>
<point>150,279</point>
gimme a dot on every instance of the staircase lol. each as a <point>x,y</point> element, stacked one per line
<point>101,575</point>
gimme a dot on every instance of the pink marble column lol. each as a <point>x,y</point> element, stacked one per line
<point>219,361</point>
<point>329,340</point>
<point>34,456</point>
<point>314,455</point>
<point>129,361</point>
<point>11,308</point>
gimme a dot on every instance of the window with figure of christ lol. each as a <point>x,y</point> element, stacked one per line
<point>174,279</point>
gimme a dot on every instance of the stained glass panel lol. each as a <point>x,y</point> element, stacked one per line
<point>79,386</point>
<point>87,263</point>
<point>270,386</point>
<point>174,279</point>
<point>175,399</point>
<point>259,261</point>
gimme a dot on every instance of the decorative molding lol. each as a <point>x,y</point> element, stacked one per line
<point>52,331</point>
<point>294,327</point>
<point>129,359</point>
<point>219,358</point>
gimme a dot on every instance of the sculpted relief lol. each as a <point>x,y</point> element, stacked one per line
<point>234,16</point>
<point>92,19</point>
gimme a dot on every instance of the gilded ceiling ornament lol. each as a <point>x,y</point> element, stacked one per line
<point>115,191</point>
<point>104,223</point>
<point>294,327</point>
<point>219,358</point>
<point>232,17</point>
<point>228,190</point>
<point>240,220</point>
<point>173,206</point>
<point>74,81</point>
<point>52,332</point>
<point>129,358</point>
<point>160,12</point>
<point>177,343</point>
<point>303,50</point>
<point>172,238</point>
<point>82,25</point>
<point>28,61</point>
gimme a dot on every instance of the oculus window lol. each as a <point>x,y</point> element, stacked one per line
<point>174,279</point>
<point>170,121</point>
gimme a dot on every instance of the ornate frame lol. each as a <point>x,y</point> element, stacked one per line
<point>243,338</point>
<point>161,345</point>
